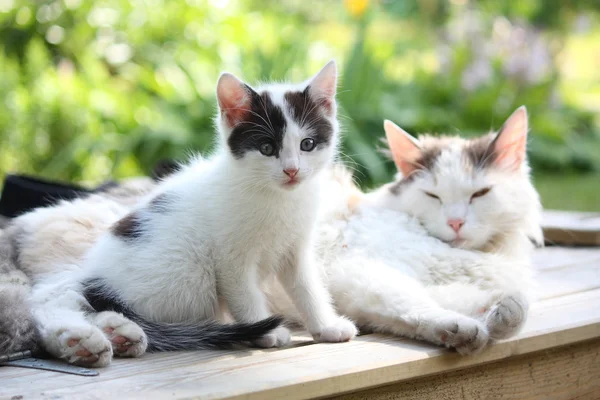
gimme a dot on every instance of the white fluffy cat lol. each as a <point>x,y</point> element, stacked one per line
<point>442,254</point>
<point>210,233</point>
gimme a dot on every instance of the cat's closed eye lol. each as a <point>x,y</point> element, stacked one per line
<point>267,149</point>
<point>433,196</point>
<point>481,192</point>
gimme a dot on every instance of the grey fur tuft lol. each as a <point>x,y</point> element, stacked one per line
<point>18,331</point>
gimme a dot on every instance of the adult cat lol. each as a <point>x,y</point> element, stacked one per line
<point>442,253</point>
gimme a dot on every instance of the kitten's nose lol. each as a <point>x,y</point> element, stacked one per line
<point>291,172</point>
<point>456,224</point>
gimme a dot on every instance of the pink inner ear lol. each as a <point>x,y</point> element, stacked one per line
<point>323,86</point>
<point>234,99</point>
<point>511,143</point>
<point>404,150</point>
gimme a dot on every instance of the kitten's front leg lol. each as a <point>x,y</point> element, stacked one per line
<point>247,303</point>
<point>303,283</point>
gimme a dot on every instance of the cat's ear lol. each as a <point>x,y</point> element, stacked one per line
<point>405,149</point>
<point>510,144</point>
<point>234,98</point>
<point>323,85</point>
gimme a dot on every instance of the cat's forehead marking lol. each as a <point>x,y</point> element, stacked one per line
<point>264,121</point>
<point>480,152</point>
<point>308,114</point>
<point>128,227</point>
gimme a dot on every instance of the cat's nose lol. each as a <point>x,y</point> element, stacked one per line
<point>456,224</point>
<point>291,172</point>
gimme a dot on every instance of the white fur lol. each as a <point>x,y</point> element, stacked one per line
<point>231,223</point>
<point>380,260</point>
<point>387,270</point>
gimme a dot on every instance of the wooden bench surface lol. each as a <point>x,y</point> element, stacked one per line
<point>568,313</point>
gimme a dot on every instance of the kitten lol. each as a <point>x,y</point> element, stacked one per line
<point>210,232</point>
<point>441,254</point>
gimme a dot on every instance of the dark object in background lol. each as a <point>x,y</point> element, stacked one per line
<point>23,193</point>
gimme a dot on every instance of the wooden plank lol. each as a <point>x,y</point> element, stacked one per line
<point>569,279</point>
<point>568,228</point>
<point>560,257</point>
<point>310,371</point>
<point>570,372</point>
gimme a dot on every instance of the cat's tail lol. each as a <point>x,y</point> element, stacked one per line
<point>17,327</point>
<point>165,336</point>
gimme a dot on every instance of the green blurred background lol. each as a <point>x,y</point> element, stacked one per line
<point>100,89</point>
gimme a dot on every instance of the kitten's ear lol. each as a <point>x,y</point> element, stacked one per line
<point>510,144</point>
<point>323,85</point>
<point>234,98</point>
<point>405,149</point>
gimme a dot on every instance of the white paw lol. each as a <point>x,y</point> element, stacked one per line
<point>126,337</point>
<point>466,335</point>
<point>279,337</point>
<point>507,316</point>
<point>342,330</point>
<point>84,345</point>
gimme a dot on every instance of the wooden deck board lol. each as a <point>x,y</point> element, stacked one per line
<point>564,373</point>
<point>567,314</point>
<point>309,371</point>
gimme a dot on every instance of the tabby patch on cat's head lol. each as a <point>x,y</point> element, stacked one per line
<point>467,192</point>
<point>281,132</point>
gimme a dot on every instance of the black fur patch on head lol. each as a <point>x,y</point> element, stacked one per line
<point>480,152</point>
<point>264,122</point>
<point>128,227</point>
<point>308,114</point>
<point>162,203</point>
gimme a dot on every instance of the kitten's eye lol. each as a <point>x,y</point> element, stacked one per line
<point>267,149</point>
<point>480,193</point>
<point>307,144</point>
<point>433,196</point>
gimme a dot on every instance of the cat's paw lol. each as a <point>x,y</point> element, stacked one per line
<point>342,330</point>
<point>507,316</point>
<point>466,335</point>
<point>126,337</point>
<point>279,337</point>
<point>85,346</point>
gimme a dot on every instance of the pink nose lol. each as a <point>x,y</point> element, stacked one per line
<point>291,172</point>
<point>456,224</point>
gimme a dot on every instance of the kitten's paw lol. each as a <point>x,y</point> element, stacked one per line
<point>342,330</point>
<point>279,337</point>
<point>466,335</point>
<point>126,337</point>
<point>85,346</point>
<point>507,316</point>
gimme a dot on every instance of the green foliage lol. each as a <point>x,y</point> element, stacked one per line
<point>106,88</point>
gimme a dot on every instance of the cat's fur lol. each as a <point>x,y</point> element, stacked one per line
<point>393,263</point>
<point>208,235</point>
<point>386,271</point>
